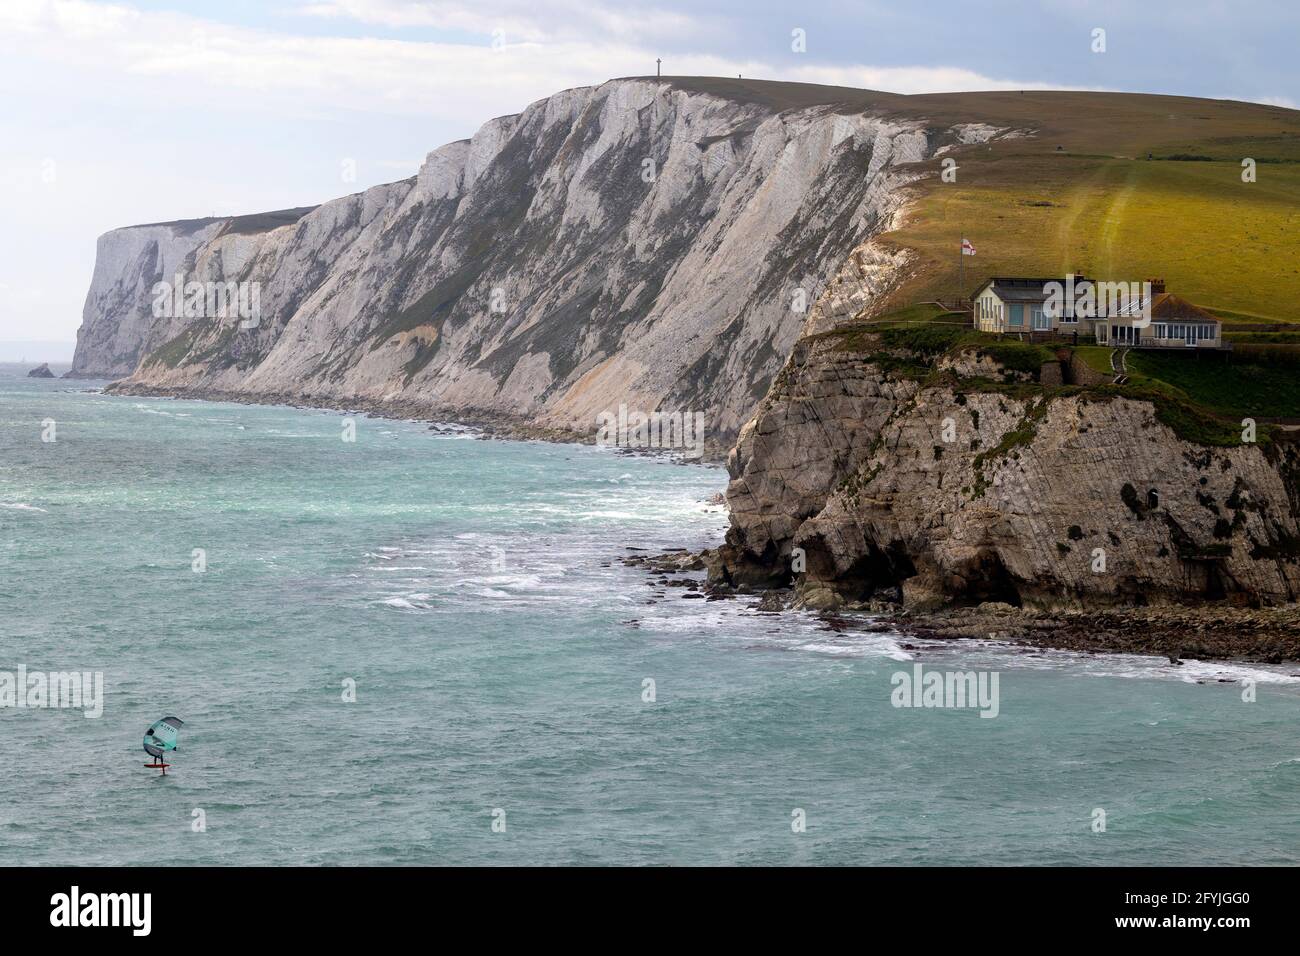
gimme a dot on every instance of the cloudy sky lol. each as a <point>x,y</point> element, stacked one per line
<point>143,110</point>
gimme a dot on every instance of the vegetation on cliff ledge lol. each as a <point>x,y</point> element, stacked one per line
<point>1201,401</point>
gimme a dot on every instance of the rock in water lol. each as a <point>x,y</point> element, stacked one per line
<point>42,371</point>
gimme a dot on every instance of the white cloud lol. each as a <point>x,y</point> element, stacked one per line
<point>1283,101</point>
<point>912,79</point>
<point>519,19</point>
<point>208,64</point>
<point>160,115</point>
<point>442,15</point>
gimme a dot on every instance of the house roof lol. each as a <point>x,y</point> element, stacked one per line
<point>1167,307</point>
<point>1016,294</point>
<point>1017,289</point>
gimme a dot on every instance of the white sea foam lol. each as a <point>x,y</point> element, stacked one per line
<point>21,506</point>
<point>1193,671</point>
<point>861,649</point>
<point>1128,666</point>
<point>404,604</point>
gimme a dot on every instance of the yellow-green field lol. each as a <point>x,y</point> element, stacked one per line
<point>1098,206</point>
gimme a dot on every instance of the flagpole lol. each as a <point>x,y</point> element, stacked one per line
<point>961,267</point>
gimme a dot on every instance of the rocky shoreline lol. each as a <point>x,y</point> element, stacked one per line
<point>1256,635</point>
<point>1269,635</point>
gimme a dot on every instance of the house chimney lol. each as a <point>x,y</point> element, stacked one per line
<point>1157,286</point>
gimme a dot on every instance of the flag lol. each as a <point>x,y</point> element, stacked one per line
<point>966,248</point>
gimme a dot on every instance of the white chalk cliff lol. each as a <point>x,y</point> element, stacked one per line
<point>645,242</point>
<point>673,245</point>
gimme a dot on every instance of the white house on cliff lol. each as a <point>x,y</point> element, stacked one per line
<point>1108,313</point>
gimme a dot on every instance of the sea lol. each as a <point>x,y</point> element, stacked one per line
<point>422,647</point>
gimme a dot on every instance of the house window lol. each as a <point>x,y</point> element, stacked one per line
<point>1042,321</point>
<point>1160,330</point>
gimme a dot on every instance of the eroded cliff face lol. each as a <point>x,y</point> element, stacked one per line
<point>117,325</point>
<point>633,243</point>
<point>953,490</point>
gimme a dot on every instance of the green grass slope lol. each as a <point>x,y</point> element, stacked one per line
<point>1080,194</point>
<point>1098,205</point>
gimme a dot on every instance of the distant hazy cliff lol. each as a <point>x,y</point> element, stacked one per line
<point>643,242</point>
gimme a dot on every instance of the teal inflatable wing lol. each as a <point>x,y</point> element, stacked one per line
<point>161,736</point>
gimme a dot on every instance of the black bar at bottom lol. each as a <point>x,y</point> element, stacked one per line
<point>373,905</point>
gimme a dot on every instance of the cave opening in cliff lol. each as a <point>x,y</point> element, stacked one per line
<point>989,580</point>
<point>874,571</point>
<point>1214,589</point>
<point>1204,578</point>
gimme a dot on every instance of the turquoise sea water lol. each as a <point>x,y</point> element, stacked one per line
<point>472,590</point>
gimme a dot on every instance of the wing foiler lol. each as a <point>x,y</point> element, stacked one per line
<point>160,738</point>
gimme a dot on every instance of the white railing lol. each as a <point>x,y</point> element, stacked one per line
<point>1151,342</point>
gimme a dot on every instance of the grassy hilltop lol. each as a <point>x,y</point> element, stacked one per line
<point>1079,193</point>
<point>1118,186</point>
